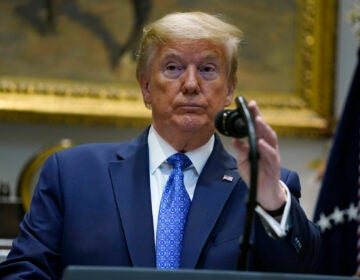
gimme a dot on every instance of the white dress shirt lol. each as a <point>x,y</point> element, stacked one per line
<point>160,150</point>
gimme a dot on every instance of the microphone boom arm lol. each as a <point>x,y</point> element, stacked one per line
<point>251,202</point>
<point>239,123</point>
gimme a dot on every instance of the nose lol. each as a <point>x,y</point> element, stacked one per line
<point>191,81</point>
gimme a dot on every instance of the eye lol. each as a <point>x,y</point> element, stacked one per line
<point>172,70</point>
<point>209,71</point>
<point>171,67</point>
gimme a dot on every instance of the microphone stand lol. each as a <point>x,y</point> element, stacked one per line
<point>244,241</point>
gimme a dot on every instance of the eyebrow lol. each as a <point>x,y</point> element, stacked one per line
<point>172,53</point>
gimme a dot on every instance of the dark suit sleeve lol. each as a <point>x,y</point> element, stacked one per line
<point>300,250</point>
<point>35,252</point>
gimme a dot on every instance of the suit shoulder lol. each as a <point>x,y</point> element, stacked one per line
<point>292,180</point>
<point>89,151</point>
<point>92,147</point>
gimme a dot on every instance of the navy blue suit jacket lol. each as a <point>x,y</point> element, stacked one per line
<point>92,206</point>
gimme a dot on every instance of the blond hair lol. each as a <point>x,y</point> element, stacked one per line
<point>189,26</point>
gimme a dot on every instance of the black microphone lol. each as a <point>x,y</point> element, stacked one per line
<point>233,122</point>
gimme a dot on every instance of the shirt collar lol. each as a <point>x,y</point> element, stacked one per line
<point>160,150</point>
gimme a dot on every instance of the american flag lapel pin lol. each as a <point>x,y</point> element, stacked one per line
<point>228,178</point>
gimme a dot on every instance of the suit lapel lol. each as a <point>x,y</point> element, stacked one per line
<point>131,186</point>
<point>130,178</point>
<point>212,192</point>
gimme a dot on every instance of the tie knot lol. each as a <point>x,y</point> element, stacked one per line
<point>179,160</point>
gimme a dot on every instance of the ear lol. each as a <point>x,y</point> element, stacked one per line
<point>145,89</point>
<point>230,94</point>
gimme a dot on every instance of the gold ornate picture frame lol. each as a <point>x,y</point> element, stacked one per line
<point>304,110</point>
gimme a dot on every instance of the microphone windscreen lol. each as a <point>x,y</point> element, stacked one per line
<point>230,123</point>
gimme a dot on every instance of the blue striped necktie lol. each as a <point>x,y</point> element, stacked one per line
<point>174,207</point>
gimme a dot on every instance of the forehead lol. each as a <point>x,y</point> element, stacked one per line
<point>192,49</point>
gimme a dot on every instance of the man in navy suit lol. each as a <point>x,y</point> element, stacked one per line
<point>98,204</point>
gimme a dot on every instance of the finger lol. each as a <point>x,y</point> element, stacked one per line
<point>241,148</point>
<point>254,109</point>
<point>264,131</point>
<point>269,155</point>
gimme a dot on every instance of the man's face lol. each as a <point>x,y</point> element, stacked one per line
<point>186,85</point>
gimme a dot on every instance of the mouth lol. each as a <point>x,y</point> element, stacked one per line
<point>191,108</point>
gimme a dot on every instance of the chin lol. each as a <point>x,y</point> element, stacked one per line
<point>192,122</point>
<point>194,125</point>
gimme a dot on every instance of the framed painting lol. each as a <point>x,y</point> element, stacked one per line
<point>73,61</point>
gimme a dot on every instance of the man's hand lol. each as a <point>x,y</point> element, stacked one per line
<point>270,193</point>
